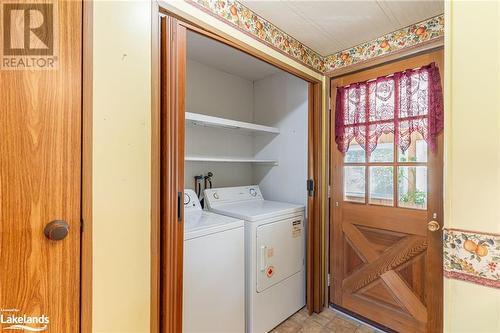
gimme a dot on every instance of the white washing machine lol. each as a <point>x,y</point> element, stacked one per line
<point>274,253</point>
<point>214,271</point>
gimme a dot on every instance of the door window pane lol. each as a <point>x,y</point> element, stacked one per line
<point>355,154</point>
<point>412,187</point>
<point>381,185</point>
<point>384,150</point>
<point>354,183</point>
<point>416,152</point>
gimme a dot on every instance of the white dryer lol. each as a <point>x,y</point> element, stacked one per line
<point>274,253</point>
<point>214,271</point>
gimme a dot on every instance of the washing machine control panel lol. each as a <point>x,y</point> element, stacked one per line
<point>225,195</point>
<point>191,201</point>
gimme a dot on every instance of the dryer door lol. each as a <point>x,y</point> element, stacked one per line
<point>280,251</point>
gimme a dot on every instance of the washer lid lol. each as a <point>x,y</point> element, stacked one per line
<point>198,223</point>
<point>257,210</point>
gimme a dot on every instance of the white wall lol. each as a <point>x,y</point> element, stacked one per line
<point>213,92</point>
<point>121,166</point>
<point>281,100</point>
<point>472,120</point>
<point>216,93</point>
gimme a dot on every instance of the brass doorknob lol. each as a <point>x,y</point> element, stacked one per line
<point>433,226</point>
<point>56,230</point>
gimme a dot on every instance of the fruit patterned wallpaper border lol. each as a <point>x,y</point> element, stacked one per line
<point>245,20</point>
<point>472,256</point>
<point>415,34</point>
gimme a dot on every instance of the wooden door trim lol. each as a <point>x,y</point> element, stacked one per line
<point>435,204</point>
<point>155,171</point>
<point>316,282</point>
<point>87,119</point>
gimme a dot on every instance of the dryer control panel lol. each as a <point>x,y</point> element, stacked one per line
<point>226,195</point>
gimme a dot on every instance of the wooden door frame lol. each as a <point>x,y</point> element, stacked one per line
<point>86,202</point>
<point>315,268</point>
<point>436,205</point>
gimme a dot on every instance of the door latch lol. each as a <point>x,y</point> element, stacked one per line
<point>310,187</point>
<point>180,206</point>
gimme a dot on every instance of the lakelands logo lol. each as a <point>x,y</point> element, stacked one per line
<point>10,319</point>
<point>29,35</point>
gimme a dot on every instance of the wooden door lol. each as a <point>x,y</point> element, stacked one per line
<point>40,175</point>
<point>386,265</point>
<point>172,109</point>
<point>315,301</point>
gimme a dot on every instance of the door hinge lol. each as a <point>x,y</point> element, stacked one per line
<point>328,279</point>
<point>329,191</point>
<point>310,187</point>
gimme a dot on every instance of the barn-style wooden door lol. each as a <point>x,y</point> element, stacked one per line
<point>386,219</point>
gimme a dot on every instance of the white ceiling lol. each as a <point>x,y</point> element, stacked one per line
<point>225,58</point>
<point>331,26</point>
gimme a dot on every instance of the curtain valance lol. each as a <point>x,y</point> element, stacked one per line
<point>401,104</point>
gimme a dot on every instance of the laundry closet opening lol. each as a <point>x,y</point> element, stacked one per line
<point>246,160</point>
<point>237,160</point>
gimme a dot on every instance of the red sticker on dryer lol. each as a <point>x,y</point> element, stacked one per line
<point>270,271</point>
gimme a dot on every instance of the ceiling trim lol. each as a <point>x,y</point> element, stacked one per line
<point>247,21</point>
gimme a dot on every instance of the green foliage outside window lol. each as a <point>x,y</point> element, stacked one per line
<point>418,197</point>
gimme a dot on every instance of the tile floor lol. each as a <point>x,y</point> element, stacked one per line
<point>328,321</point>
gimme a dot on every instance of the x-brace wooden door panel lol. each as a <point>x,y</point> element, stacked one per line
<point>386,272</point>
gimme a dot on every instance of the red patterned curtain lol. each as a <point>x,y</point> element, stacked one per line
<point>401,104</point>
